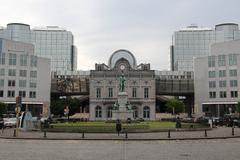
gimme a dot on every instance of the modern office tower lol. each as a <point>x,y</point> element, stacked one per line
<point>24,74</point>
<point>217,79</point>
<point>50,42</point>
<point>195,41</point>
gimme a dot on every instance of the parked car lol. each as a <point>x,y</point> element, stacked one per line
<point>10,122</point>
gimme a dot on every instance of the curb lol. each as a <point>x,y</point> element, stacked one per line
<point>121,139</point>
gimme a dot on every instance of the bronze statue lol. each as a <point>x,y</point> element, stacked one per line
<point>122,83</point>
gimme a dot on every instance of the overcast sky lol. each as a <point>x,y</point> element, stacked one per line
<point>100,27</point>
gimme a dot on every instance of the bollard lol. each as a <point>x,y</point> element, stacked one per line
<point>205,133</point>
<point>14,133</point>
<point>232,131</point>
<point>45,134</point>
<point>126,135</point>
<point>83,136</point>
<point>169,136</point>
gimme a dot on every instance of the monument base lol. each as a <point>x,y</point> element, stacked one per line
<point>122,115</point>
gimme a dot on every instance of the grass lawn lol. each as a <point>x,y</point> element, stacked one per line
<point>101,126</point>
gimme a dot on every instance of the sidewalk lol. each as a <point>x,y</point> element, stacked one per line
<point>220,132</point>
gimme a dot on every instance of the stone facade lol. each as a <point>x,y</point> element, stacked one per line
<point>104,87</point>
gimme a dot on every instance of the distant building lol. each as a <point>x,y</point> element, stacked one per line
<point>104,87</point>
<point>24,74</point>
<point>50,42</point>
<point>195,41</point>
<point>217,79</point>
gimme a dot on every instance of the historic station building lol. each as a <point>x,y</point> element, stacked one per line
<point>104,87</point>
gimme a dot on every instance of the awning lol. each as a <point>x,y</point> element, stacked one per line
<point>220,103</point>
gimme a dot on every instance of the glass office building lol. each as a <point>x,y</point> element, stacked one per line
<point>50,42</point>
<point>195,41</point>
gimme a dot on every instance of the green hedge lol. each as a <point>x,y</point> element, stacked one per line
<point>95,127</point>
<point>102,127</point>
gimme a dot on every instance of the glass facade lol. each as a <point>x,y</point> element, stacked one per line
<point>50,42</point>
<point>194,41</point>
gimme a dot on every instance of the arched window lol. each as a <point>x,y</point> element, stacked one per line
<point>98,112</point>
<point>135,112</point>
<point>109,112</point>
<point>146,112</point>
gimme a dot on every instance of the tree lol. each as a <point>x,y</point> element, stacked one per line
<point>3,108</point>
<point>238,108</point>
<point>175,106</point>
<point>58,106</point>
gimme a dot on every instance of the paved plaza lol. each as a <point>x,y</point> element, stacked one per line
<point>227,149</point>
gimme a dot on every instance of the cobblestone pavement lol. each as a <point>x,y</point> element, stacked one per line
<point>216,132</point>
<point>15,149</point>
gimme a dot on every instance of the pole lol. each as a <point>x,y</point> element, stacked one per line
<point>17,117</point>
<point>169,136</point>
<point>126,135</point>
<point>233,130</point>
<point>45,134</point>
<point>83,136</point>
<point>205,133</point>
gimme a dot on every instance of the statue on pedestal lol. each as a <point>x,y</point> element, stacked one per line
<point>115,106</point>
<point>122,83</point>
<point>129,106</point>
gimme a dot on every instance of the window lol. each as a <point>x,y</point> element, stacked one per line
<point>11,83</point>
<point>33,74</point>
<point>222,84</point>
<point>211,74</point>
<point>98,113</point>
<point>233,83</point>
<point>109,112</point>
<point>134,92</point>
<point>135,112</point>
<point>222,73</point>
<point>212,84</point>
<point>22,83</point>
<point>223,94</point>
<point>110,92</point>
<point>2,58</point>
<point>23,60</point>
<point>221,60</point>
<point>232,72</point>
<point>1,93</point>
<point>33,61</point>
<point>12,59</point>
<point>22,93</point>
<point>234,94</point>
<point>146,112</point>
<point>2,72</point>
<point>211,61</point>
<point>23,73</point>
<point>232,59</point>
<point>11,72</point>
<point>1,82</point>
<point>33,85</point>
<point>32,94</point>
<point>212,94</point>
<point>98,94</point>
<point>145,92</point>
<point>11,93</point>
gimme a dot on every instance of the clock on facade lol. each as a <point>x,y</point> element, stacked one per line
<point>122,67</point>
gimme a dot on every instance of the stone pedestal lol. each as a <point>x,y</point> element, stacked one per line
<point>122,113</point>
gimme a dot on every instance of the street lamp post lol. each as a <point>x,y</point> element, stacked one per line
<point>18,110</point>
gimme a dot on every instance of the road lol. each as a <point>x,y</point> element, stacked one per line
<point>119,150</point>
